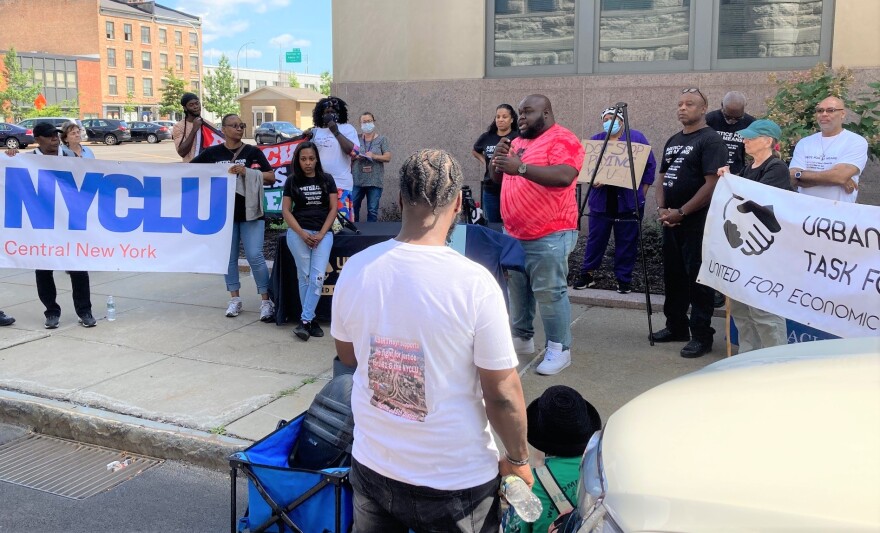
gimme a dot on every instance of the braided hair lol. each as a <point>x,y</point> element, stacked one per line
<point>338,103</point>
<point>430,177</point>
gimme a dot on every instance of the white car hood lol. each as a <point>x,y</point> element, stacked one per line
<point>782,439</point>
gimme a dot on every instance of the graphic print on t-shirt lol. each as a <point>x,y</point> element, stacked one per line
<point>396,372</point>
<point>312,194</point>
<point>674,157</point>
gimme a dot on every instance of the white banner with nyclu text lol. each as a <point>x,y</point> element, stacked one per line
<point>66,213</point>
<point>808,259</point>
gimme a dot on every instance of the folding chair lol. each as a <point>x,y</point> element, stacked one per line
<point>283,499</point>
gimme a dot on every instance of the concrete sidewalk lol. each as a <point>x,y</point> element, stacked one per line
<point>175,378</point>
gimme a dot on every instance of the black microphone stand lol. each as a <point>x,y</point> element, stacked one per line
<point>620,108</point>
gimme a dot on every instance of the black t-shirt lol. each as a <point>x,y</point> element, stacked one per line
<point>486,146</point>
<point>250,156</point>
<point>773,172</point>
<point>736,150</point>
<point>311,200</point>
<point>687,159</point>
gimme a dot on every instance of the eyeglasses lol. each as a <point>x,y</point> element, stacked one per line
<point>239,126</point>
<point>695,90</point>
<point>829,110</point>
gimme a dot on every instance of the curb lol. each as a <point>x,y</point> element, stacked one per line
<point>124,432</point>
<point>633,300</point>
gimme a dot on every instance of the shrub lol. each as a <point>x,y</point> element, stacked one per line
<point>797,95</point>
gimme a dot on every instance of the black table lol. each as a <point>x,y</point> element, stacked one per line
<point>284,288</point>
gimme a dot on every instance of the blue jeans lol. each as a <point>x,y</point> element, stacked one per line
<point>385,505</point>
<point>251,234</point>
<point>491,206</point>
<point>373,194</point>
<point>544,282</point>
<point>311,266</point>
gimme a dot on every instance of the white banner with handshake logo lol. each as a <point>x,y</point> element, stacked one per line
<point>807,259</point>
<point>66,213</point>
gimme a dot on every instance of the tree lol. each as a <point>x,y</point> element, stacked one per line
<point>294,81</point>
<point>129,106</point>
<point>63,109</point>
<point>221,89</point>
<point>19,93</point>
<point>326,81</point>
<point>171,93</point>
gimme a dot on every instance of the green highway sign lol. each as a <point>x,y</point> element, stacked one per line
<point>294,56</point>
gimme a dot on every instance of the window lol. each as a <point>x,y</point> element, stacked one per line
<point>261,83</point>
<point>129,85</point>
<point>109,30</point>
<point>193,39</point>
<point>113,90</point>
<point>111,57</point>
<point>178,61</point>
<point>194,63</point>
<point>145,35</point>
<point>163,36</point>
<point>195,86</point>
<point>178,38</point>
<point>163,83</point>
<point>129,59</point>
<point>71,79</point>
<point>146,60</point>
<point>163,61</point>
<point>50,79</point>
<point>126,30</point>
<point>244,86</point>
<point>148,86</point>
<point>546,37</point>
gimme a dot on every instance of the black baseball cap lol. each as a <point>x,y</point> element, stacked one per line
<point>44,129</point>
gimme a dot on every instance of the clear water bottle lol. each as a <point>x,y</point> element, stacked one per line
<point>111,309</point>
<point>521,498</point>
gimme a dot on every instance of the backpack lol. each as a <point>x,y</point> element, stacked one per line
<point>327,432</point>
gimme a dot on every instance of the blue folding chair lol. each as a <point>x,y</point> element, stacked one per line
<point>283,499</point>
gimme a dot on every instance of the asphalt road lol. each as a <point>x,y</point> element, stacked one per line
<point>161,152</point>
<point>170,497</point>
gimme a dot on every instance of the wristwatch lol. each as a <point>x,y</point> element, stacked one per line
<point>798,174</point>
<point>521,169</point>
<point>681,212</point>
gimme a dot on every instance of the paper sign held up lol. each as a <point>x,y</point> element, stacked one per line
<point>614,169</point>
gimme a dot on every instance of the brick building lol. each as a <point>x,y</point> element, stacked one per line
<point>134,42</point>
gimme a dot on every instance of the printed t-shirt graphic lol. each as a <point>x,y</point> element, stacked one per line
<point>397,377</point>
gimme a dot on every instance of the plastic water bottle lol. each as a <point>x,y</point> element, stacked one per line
<point>111,309</point>
<point>521,498</point>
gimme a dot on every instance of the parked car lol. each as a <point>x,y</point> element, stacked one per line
<point>167,123</point>
<point>29,123</point>
<point>149,131</point>
<point>14,136</point>
<point>275,132</point>
<point>780,439</point>
<point>107,130</point>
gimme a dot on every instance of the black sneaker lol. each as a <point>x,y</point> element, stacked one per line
<point>584,281</point>
<point>719,300</point>
<point>315,329</point>
<point>6,320</point>
<point>624,287</point>
<point>695,349</point>
<point>302,330</point>
<point>52,321</point>
<point>664,335</point>
<point>86,320</point>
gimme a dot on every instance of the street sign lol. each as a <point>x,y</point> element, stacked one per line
<point>294,56</point>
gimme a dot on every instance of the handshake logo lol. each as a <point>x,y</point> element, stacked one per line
<point>749,226</point>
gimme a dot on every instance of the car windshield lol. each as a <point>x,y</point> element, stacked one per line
<point>286,127</point>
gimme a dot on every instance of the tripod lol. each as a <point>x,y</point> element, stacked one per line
<point>620,109</point>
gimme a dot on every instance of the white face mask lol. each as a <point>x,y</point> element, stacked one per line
<point>368,127</point>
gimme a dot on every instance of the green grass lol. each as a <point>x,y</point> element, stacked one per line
<point>218,430</point>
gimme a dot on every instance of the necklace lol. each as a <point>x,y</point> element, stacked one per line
<point>824,146</point>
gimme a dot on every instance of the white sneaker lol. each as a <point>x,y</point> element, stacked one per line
<point>555,360</point>
<point>523,346</point>
<point>234,307</point>
<point>267,311</point>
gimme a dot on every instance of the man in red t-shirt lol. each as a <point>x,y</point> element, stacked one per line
<point>539,170</point>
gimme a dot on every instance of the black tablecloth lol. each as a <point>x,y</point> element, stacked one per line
<point>284,288</point>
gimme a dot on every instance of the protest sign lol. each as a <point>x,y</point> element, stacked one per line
<point>279,156</point>
<point>614,169</point>
<point>70,213</point>
<point>808,259</point>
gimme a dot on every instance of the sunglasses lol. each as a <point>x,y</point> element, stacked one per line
<point>829,110</point>
<point>695,90</point>
<point>239,126</point>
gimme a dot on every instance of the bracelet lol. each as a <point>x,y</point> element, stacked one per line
<point>337,133</point>
<point>514,462</point>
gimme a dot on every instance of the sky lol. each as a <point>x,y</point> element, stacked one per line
<point>258,32</point>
